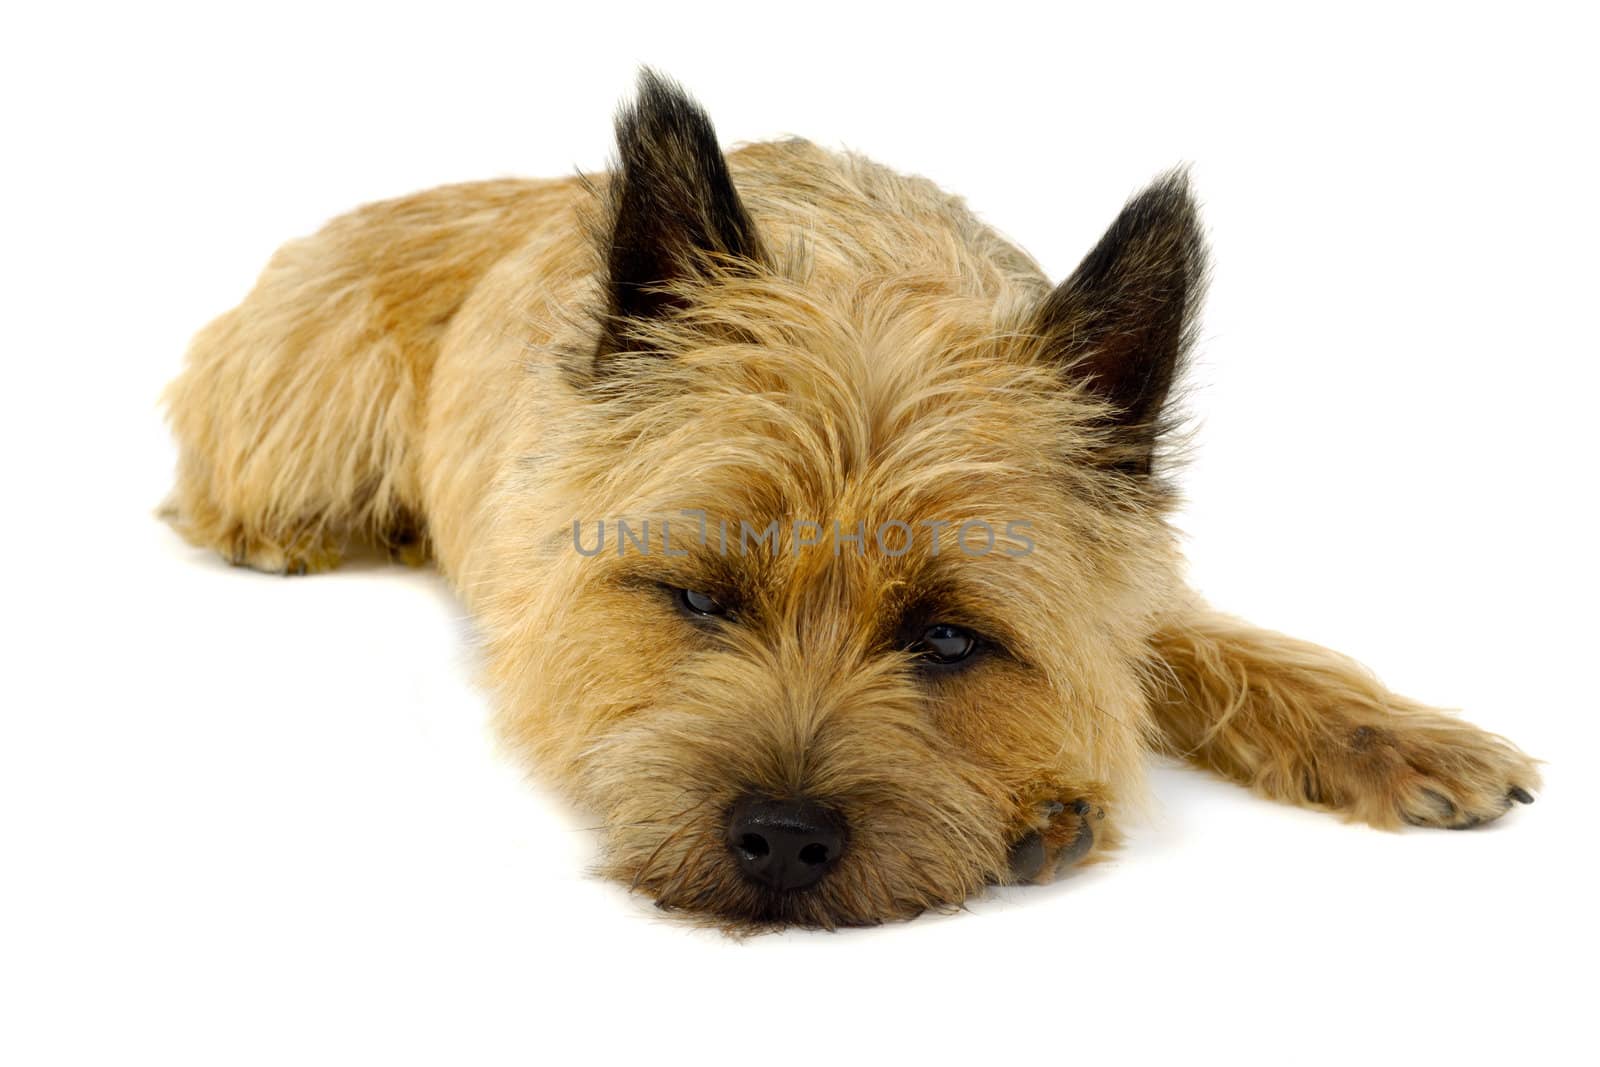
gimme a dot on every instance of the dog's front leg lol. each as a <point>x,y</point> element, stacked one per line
<point>1303,724</point>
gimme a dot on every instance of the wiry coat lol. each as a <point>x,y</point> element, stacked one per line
<point>787,334</point>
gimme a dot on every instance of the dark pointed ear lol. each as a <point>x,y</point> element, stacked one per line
<point>674,212</point>
<point>1121,325</point>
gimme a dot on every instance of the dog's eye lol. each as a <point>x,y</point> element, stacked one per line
<point>943,643</point>
<point>701,603</point>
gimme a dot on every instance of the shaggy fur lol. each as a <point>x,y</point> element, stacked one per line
<point>787,334</point>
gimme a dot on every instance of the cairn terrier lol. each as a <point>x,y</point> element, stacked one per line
<point>815,540</point>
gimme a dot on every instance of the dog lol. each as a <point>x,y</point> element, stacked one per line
<point>814,539</point>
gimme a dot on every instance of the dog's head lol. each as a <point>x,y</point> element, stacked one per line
<point>863,533</point>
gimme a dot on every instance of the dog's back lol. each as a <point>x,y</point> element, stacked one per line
<point>302,413</point>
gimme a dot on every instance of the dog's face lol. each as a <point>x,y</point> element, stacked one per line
<point>853,620</point>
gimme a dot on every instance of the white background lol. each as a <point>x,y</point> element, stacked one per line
<point>252,820</point>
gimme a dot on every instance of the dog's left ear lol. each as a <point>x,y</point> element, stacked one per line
<point>674,212</point>
<point>1121,325</point>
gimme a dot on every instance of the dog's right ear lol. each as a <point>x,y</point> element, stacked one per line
<point>674,213</point>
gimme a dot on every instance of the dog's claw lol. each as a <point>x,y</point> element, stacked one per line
<point>1520,795</point>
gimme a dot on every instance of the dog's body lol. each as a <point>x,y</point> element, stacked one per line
<point>824,722</point>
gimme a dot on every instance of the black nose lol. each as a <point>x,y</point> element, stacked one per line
<point>785,844</point>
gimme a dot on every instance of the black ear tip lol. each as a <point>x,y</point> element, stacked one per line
<point>652,80</point>
<point>1167,216</point>
<point>662,127</point>
<point>654,89</point>
<point>1178,179</point>
<point>1162,219</point>
<point>1170,198</point>
<point>659,100</point>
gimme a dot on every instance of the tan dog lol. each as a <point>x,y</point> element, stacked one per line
<point>816,541</point>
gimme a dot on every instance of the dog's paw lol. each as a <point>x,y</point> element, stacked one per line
<point>301,551</point>
<point>271,558</point>
<point>1434,771</point>
<point>296,555</point>
<point>1064,837</point>
<point>1456,798</point>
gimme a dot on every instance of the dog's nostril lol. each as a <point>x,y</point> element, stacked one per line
<point>784,844</point>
